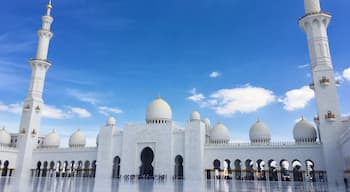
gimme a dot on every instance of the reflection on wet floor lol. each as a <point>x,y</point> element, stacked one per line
<point>108,185</point>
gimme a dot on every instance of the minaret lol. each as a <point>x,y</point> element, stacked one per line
<point>314,24</point>
<point>33,104</point>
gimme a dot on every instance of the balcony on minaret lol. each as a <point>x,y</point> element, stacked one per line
<point>324,81</point>
<point>37,109</point>
<point>312,86</point>
<point>34,132</point>
<point>23,131</point>
<point>26,108</point>
<point>330,116</point>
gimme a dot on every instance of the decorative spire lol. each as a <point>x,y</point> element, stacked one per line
<point>302,117</point>
<point>49,7</point>
<point>158,96</point>
<point>258,120</point>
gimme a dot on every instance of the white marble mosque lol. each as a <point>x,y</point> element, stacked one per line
<point>162,150</point>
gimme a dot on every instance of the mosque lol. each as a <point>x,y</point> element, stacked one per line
<point>199,150</point>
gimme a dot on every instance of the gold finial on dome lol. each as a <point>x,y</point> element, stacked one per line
<point>158,96</point>
<point>302,117</point>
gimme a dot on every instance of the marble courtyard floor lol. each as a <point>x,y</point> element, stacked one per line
<point>52,184</point>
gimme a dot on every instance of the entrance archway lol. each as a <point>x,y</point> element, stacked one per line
<point>38,169</point>
<point>260,164</point>
<point>284,164</point>
<point>5,168</point>
<point>146,169</point>
<point>297,172</point>
<point>116,167</point>
<point>273,174</point>
<point>179,173</point>
<point>249,164</point>
<point>310,171</point>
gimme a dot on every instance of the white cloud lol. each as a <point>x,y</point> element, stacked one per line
<point>84,97</point>
<point>107,111</point>
<point>227,102</point>
<point>303,66</point>
<point>12,108</point>
<point>82,113</point>
<point>338,77</point>
<point>49,111</point>
<point>346,74</point>
<point>52,112</point>
<point>297,98</point>
<point>214,74</point>
<point>245,99</point>
<point>195,97</point>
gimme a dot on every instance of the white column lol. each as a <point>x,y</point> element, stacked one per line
<point>194,150</point>
<point>315,24</point>
<point>104,152</point>
<point>33,106</point>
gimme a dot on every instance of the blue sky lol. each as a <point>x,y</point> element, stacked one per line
<point>113,57</point>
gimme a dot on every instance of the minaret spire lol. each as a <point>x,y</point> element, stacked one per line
<point>33,104</point>
<point>315,23</point>
<point>49,7</point>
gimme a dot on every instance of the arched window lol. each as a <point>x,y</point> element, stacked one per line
<point>249,164</point>
<point>297,172</point>
<point>79,168</point>
<point>260,164</point>
<point>285,176</point>
<point>38,168</point>
<point>179,173</point>
<point>238,169</point>
<point>93,168</point>
<point>44,171</point>
<point>5,168</point>
<point>227,169</point>
<point>310,171</point>
<point>86,168</point>
<point>116,167</point>
<point>273,174</point>
<point>58,169</point>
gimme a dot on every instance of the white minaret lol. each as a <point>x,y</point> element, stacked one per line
<point>315,24</point>
<point>33,104</point>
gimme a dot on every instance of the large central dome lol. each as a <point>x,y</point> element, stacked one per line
<point>158,111</point>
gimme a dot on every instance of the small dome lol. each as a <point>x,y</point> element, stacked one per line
<point>77,139</point>
<point>206,122</point>
<point>220,133</point>
<point>259,133</point>
<point>52,140</point>
<point>195,116</point>
<point>5,137</point>
<point>304,132</point>
<point>158,111</point>
<point>110,121</point>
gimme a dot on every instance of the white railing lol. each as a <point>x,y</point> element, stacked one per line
<point>7,148</point>
<point>70,149</point>
<point>271,144</point>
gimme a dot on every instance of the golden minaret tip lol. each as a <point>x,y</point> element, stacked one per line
<point>49,5</point>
